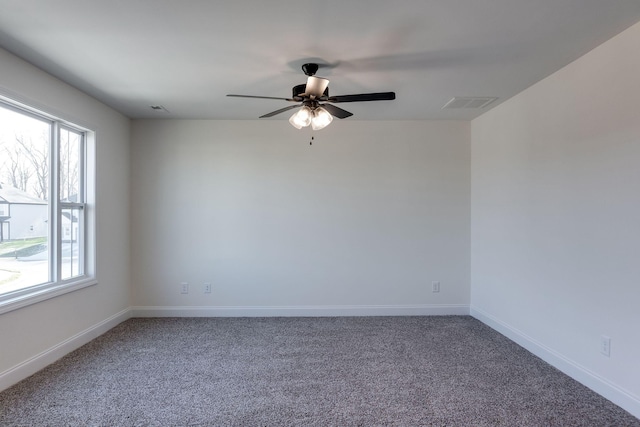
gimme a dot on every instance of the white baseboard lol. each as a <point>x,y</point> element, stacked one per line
<point>303,311</point>
<point>623,398</point>
<point>30,366</point>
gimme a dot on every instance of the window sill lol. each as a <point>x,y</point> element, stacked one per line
<point>19,299</point>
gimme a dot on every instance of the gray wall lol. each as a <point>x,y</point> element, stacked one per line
<point>51,326</point>
<point>369,215</point>
<point>555,210</point>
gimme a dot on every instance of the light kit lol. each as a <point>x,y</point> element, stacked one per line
<point>318,118</point>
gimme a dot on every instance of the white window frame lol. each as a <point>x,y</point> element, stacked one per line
<point>87,233</point>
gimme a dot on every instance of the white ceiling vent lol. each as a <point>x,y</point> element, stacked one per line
<point>469,102</point>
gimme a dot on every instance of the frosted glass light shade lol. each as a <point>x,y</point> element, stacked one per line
<point>301,118</point>
<point>321,119</point>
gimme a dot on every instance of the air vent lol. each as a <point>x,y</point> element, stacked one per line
<point>159,109</point>
<point>469,102</point>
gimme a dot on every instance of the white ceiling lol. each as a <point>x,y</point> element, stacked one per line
<point>188,54</point>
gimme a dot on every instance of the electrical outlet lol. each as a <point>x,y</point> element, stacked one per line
<point>605,345</point>
<point>184,288</point>
<point>435,286</point>
<point>207,288</point>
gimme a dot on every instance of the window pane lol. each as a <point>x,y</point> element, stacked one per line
<point>71,242</point>
<point>24,211</point>
<point>70,152</point>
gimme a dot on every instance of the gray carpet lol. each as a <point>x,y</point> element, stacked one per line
<point>363,371</point>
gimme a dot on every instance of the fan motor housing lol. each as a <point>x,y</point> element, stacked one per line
<point>300,89</point>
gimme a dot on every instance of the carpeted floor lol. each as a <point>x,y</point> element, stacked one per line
<point>343,371</point>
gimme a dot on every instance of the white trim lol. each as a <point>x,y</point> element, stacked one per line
<point>43,109</point>
<point>621,397</point>
<point>32,365</point>
<point>302,311</point>
<point>24,297</point>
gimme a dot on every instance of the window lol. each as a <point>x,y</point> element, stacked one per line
<point>46,203</point>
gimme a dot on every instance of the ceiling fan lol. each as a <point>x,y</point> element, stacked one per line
<point>316,106</point>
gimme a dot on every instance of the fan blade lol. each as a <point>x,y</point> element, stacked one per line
<point>282,110</point>
<point>379,96</point>
<point>337,112</point>
<point>316,86</point>
<point>262,97</point>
